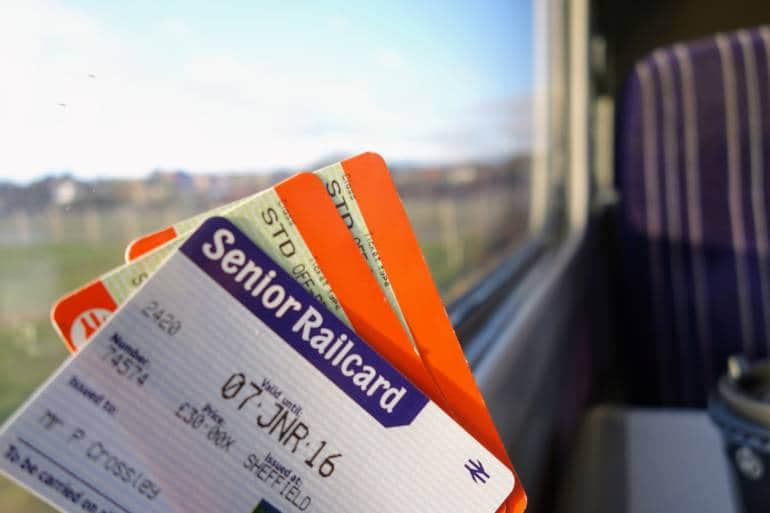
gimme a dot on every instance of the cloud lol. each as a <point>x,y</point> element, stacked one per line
<point>338,23</point>
<point>390,59</point>
<point>175,28</point>
<point>129,111</point>
<point>489,129</point>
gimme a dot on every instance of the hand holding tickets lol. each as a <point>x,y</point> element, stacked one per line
<point>286,352</point>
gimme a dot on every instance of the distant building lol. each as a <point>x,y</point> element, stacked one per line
<point>64,192</point>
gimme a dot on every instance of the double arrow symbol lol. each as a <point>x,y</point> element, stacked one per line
<point>477,471</point>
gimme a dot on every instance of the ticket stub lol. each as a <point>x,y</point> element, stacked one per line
<point>261,401</point>
<point>338,187</point>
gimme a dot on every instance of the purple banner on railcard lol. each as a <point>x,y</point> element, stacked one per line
<point>239,266</point>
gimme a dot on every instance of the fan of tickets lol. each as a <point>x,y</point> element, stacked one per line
<point>285,352</point>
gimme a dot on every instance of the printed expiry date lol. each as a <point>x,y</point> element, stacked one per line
<point>281,423</point>
<point>275,418</point>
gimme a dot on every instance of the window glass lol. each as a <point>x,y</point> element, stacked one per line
<point>121,118</point>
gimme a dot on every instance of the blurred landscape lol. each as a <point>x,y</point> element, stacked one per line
<point>462,215</point>
<point>59,232</point>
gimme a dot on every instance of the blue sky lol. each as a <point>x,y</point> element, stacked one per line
<point>118,89</point>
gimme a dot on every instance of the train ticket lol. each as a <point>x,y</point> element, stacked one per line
<point>366,199</point>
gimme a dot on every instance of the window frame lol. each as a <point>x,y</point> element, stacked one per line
<point>560,184</point>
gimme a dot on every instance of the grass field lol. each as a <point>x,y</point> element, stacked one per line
<point>32,278</point>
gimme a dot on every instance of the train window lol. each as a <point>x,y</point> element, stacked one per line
<point>119,119</point>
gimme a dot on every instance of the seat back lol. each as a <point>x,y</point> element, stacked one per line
<point>693,170</point>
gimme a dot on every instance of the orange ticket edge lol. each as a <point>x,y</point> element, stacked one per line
<point>74,308</point>
<point>423,308</point>
<point>147,243</point>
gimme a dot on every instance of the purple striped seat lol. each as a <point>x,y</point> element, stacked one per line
<point>693,162</point>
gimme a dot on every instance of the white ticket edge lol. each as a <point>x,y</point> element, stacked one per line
<point>390,448</point>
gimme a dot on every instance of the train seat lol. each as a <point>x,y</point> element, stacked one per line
<point>692,162</point>
<point>693,154</point>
